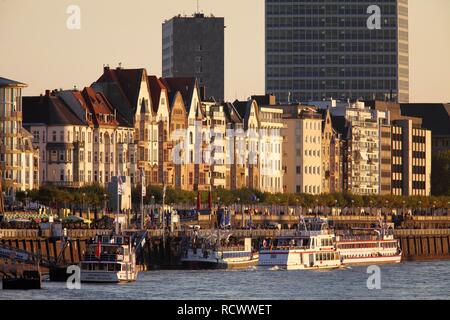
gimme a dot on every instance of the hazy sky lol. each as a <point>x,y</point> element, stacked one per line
<point>37,48</point>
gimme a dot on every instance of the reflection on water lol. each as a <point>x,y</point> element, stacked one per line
<point>411,280</point>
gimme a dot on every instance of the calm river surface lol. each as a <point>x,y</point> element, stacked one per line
<point>409,280</point>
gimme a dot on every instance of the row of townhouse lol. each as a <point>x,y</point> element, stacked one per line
<point>128,122</point>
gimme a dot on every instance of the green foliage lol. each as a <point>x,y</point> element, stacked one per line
<point>440,174</point>
<point>94,197</point>
<point>57,196</point>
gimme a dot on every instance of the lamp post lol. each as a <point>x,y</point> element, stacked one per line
<point>353,207</point>
<point>26,199</point>
<point>104,203</point>
<point>82,208</point>
<point>420,207</point>
<point>152,208</point>
<point>335,206</point>
<point>370,205</point>
<point>385,213</point>
<point>434,208</point>
<point>403,210</point>
<point>242,212</point>
<point>257,203</point>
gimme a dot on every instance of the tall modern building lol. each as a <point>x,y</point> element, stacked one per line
<point>325,49</point>
<point>194,47</point>
<point>19,161</point>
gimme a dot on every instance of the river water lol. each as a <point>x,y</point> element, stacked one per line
<point>409,280</point>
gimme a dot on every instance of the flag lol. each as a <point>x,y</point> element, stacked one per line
<point>120,185</point>
<point>227,218</point>
<point>222,217</point>
<point>144,189</point>
<point>98,250</point>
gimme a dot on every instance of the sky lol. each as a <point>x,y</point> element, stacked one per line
<point>37,47</point>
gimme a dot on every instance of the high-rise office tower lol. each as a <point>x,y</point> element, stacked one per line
<point>194,47</point>
<point>337,49</point>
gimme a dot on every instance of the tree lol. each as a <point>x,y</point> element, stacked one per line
<point>440,174</point>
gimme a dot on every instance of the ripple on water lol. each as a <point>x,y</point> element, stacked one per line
<point>412,280</point>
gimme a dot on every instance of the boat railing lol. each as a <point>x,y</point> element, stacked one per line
<point>103,257</point>
<point>358,238</point>
<point>286,248</point>
<point>232,248</point>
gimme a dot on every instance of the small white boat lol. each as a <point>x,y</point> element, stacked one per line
<point>368,246</point>
<point>205,253</point>
<point>109,259</point>
<point>311,248</point>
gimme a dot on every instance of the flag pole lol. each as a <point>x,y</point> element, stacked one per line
<point>143,192</point>
<point>119,193</point>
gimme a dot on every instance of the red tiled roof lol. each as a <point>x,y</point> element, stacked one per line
<point>96,104</point>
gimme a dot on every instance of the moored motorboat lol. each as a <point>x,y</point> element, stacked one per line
<point>221,253</point>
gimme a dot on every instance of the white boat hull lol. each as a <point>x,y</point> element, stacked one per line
<point>107,276</point>
<point>292,261</point>
<point>214,261</point>
<point>348,261</point>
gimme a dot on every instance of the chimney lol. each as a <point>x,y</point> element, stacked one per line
<point>47,93</point>
<point>105,67</point>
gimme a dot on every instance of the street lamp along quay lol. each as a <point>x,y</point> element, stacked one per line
<point>83,206</point>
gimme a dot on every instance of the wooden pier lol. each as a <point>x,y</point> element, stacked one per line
<point>163,248</point>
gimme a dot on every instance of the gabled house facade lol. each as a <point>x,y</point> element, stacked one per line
<point>128,90</point>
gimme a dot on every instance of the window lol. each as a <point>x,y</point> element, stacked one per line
<point>54,136</point>
<point>35,136</point>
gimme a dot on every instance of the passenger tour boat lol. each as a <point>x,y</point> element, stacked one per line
<point>109,259</point>
<point>368,246</point>
<point>313,247</point>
